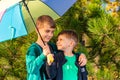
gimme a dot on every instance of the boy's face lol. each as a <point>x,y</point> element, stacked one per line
<point>46,32</point>
<point>63,42</point>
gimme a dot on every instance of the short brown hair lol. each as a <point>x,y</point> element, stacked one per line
<point>71,34</point>
<point>46,19</point>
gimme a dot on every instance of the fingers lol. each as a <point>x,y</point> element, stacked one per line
<point>82,60</point>
<point>46,50</point>
<point>50,58</point>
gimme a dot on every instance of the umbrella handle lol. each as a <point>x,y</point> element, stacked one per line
<point>12,32</point>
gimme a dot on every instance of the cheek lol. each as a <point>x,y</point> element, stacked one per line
<point>42,34</point>
<point>41,31</point>
<point>52,34</point>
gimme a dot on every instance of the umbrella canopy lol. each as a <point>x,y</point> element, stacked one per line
<point>15,19</point>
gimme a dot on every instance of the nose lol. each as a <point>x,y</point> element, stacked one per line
<point>57,42</point>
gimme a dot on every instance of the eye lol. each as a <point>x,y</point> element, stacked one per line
<point>47,31</point>
<point>52,32</point>
<point>60,39</point>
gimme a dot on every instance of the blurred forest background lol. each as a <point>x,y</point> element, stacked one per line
<point>98,24</point>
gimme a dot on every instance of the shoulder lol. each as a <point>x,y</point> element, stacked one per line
<point>60,53</point>
<point>34,48</point>
<point>59,56</point>
<point>77,54</point>
<point>52,45</point>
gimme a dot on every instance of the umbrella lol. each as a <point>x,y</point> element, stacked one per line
<point>17,17</point>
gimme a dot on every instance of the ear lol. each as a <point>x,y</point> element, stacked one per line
<point>72,43</point>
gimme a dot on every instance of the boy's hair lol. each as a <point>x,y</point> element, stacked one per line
<point>71,34</point>
<point>45,19</point>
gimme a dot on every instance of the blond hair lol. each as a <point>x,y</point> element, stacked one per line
<point>45,19</point>
<point>70,34</point>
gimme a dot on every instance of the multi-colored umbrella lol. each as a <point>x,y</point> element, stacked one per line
<point>17,16</point>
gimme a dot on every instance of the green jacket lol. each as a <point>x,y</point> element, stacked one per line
<point>34,61</point>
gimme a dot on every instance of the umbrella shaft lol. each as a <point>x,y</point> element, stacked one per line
<point>32,20</point>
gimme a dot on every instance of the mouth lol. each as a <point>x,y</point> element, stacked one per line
<point>48,38</point>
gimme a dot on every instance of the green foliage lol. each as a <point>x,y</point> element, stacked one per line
<point>106,73</point>
<point>102,43</point>
<point>12,57</point>
<point>11,60</point>
<point>104,34</point>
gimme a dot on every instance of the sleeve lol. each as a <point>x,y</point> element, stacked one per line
<point>52,69</point>
<point>84,73</point>
<point>34,63</point>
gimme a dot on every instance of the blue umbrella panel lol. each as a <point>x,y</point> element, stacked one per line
<point>12,24</point>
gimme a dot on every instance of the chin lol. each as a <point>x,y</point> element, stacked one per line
<point>47,41</point>
<point>59,48</point>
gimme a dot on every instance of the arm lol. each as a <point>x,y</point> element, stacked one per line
<point>34,63</point>
<point>35,58</point>
<point>82,59</point>
<point>83,72</point>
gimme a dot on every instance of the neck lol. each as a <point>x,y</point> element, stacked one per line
<point>40,42</point>
<point>68,53</point>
